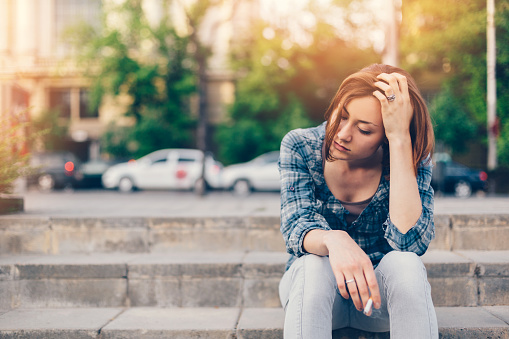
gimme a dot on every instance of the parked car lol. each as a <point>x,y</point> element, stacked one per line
<point>259,174</point>
<point>54,170</point>
<point>458,179</point>
<point>90,173</point>
<point>164,169</point>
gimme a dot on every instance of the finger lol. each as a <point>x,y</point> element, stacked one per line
<point>354,294</point>
<point>373,287</point>
<point>385,88</point>
<point>362,288</point>
<point>383,100</point>
<point>342,286</point>
<point>403,84</point>
<point>391,80</point>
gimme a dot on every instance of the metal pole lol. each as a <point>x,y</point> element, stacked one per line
<point>492,85</point>
<point>391,51</point>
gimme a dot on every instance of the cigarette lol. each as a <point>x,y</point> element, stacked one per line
<point>369,304</point>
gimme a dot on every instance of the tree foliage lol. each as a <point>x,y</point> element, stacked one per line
<point>13,155</point>
<point>147,62</point>
<point>449,41</point>
<point>283,85</point>
<point>51,131</point>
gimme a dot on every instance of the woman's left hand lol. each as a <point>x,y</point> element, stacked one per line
<point>396,114</point>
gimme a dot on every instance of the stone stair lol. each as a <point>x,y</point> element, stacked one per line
<point>213,277</point>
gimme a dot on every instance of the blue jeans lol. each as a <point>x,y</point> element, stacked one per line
<point>314,307</point>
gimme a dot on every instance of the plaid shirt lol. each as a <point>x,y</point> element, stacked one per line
<point>307,203</point>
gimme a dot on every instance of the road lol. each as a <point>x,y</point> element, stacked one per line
<point>102,203</point>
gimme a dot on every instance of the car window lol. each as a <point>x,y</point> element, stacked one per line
<point>268,158</point>
<point>50,160</point>
<point>186,160</point>
<point>155,156</point>
<point>272,157</point>
<point>159,161</point>
<point>456,169</point>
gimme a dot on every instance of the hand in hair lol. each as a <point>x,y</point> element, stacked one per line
<point>396,114</point>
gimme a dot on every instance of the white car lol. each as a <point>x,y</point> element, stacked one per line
<point>164,169</point>
<point>259,174</point>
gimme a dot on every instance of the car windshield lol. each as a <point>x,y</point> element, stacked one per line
<point>157,156</point>
<point>267,158</point>
<point>50,160</point>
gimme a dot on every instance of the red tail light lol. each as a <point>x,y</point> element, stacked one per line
<point>483,176</point>
<point>69,166</point>
<point>181,173</point>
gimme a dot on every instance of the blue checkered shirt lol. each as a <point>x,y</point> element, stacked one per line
<point>307,203</point>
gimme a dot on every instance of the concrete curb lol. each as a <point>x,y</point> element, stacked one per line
<point>23,235</point>
<point>212,279</point>
<point>255,323</point>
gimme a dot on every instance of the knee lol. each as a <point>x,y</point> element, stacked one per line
<point>317,276</point>
<point>404,271</point>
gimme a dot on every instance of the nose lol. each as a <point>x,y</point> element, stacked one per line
<point>345,132</point>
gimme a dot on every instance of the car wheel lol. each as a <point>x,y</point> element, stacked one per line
<point>46,182</point>
<point>125,185</point>
<point>241,187</point>
<point>462,189</point>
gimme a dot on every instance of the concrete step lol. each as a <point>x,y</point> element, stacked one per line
<point>233,322</point>
<point>58,235</point>
<point>214,279</point>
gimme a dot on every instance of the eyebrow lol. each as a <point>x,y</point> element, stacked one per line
<point>361,121</point>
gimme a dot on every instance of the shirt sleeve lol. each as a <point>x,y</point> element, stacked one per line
<point>417,239</point>
<point>299,206</point>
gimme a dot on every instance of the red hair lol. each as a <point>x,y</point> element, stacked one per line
<point>362,84</point>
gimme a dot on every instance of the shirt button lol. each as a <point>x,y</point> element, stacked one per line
<point>292,189</point>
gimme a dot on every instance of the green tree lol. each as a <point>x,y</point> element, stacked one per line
<point>13,155</point>
<point>148,62</point>
<point>283,85</point>
<point>51,130</point>
<point>449,42</point>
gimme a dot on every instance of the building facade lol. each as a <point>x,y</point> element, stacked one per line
<point>38,74</point>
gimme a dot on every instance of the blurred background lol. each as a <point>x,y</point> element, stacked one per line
<point>88,84</point>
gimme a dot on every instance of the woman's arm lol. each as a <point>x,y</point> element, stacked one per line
<point>405,206</point>
<point>299,207</point>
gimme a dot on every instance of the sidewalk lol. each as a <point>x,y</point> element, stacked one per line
<point>101,203</point>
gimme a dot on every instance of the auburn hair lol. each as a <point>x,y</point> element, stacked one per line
<point>362,84</point>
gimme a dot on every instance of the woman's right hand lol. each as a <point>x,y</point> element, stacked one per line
<point>349,261</point>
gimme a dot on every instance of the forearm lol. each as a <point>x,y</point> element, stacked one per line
<point>405,204</point>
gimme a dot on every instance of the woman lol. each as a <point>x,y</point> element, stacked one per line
<point>357,211</point>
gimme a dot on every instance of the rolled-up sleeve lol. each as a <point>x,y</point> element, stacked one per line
<point>418,238</point>
<point>299,206</point>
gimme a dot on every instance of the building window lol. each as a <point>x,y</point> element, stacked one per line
<point>60,100</point>
<point>73,12</point>
<point>85,111</point>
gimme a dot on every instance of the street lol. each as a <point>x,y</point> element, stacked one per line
<point>104,203</point>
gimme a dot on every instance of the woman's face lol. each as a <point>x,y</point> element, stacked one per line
<point>361,130</point>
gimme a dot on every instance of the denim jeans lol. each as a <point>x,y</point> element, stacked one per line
<point>314,307</point>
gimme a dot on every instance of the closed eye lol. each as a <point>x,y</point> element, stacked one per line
<point>365,132</point>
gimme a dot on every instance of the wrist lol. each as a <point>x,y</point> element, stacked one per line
<point>400,139</point>
<point>331,237</point>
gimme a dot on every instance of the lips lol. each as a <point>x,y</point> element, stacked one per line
<point>341,148</point>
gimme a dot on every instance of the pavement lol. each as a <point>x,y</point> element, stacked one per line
<point>105,203</point>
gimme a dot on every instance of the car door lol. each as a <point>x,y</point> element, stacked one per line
<point>267,173</point>
<point>156,174</point>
